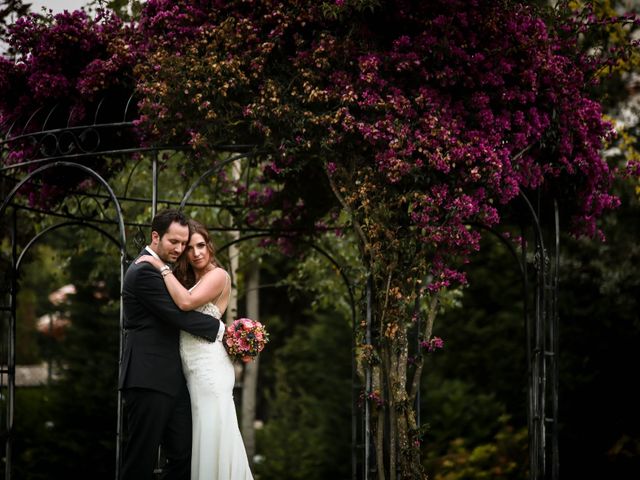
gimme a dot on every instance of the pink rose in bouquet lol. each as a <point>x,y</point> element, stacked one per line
<point>244,339</point>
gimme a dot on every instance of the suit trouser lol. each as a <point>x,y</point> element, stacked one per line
<point>155,418</point>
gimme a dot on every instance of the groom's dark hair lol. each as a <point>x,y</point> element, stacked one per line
<point>164,218</point>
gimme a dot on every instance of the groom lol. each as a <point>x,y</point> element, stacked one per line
<point>153,386</point>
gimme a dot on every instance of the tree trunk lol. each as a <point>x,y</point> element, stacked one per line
<point>250,382</point>
<point>378,414</point>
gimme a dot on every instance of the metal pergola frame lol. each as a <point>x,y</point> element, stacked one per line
<point>64,146</point>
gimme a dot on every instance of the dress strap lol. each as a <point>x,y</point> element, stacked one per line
<point>195,285</point>
<point>228,280</point>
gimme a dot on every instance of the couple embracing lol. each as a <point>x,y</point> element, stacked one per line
<point>175,375</point>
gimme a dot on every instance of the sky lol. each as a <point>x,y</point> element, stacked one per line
<point>56,5</point>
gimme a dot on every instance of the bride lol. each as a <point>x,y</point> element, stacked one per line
<point>198,283</point>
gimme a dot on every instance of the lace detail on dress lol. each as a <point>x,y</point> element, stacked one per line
<point>210,309</point>
<point>207,361</point>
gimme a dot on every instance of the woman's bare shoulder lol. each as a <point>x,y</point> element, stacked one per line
<point>216,274</point>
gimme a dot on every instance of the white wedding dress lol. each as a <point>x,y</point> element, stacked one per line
<point>218,451</point>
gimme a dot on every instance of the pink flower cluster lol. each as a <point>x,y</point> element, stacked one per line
<point>63,66</point>
<point>433,344</point>
<point>68,57</point>
<point>245,339</point>
<point>374,396</point>
<point>454,106</point>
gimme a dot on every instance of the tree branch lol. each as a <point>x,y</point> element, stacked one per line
<point>364,245</point>
<point>415,383</point>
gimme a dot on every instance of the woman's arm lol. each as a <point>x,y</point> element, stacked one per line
<point>205,291</point>
<point>209,287</point>
<point>148,290</point>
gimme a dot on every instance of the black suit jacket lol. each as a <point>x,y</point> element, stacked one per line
<point>152,323</point>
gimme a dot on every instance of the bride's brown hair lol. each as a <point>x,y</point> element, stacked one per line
<point>184,271</point>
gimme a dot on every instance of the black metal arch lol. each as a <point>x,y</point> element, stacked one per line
<point>312,245</point>
<point>49,133</point>
<point>216,168</point>
<point>55,143</point>
<point>93,173</point>
<point>18,262</point>
<point>48,162</point>
<point>57,226</point>
<point>541,330</point>
<point>355,389</point>
<point>15,265</point>
<point>120,119</point>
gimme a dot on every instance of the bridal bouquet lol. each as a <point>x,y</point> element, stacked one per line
<point>244,339</point>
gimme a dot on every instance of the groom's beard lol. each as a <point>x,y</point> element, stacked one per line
<point>165,255</point>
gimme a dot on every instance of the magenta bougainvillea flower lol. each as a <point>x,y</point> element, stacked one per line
<point>446,110</point>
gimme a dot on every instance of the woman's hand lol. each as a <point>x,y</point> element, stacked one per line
<point>152,260</point>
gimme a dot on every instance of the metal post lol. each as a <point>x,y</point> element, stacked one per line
<point>12,346</point>
<point>540,374</point>
<point>367,388</point>
<point>354,402</point>
<point>419,329</point>
<point>120,420</point>
<point>154,185</point>
<point>538,341</point>
<point>529,349</point>
<point>554,342</point>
